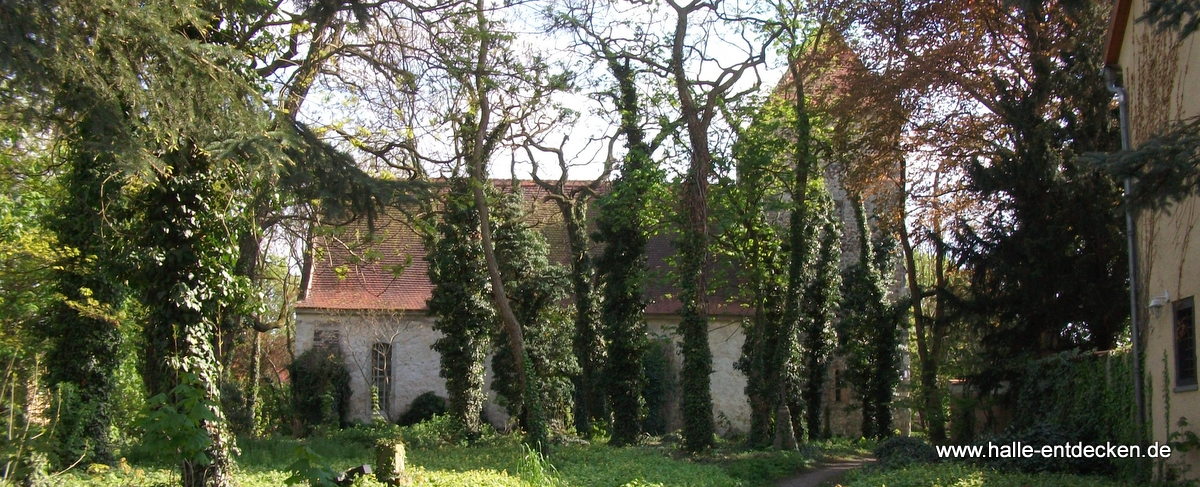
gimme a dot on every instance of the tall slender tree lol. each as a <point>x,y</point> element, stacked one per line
<point>700,103</point>
<point>461,305</point>
<point>538,286</point>
<point>573,203</point>
<point>870,331</point>
<point>622,226</point>
<point>623,218</point>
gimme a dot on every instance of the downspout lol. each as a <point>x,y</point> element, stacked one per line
<point>1112,75</point>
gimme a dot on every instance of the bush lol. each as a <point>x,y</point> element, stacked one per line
<point>1077,397</point>
<point>1037,435</point>
<point>364,435</point>
<point>276,410</point>
<point>423,408</point>
<point>437,431</point>
<point>901,451</point>
<point>320,388</point>
<point>236,408</point>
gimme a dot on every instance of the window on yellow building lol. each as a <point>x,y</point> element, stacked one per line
<point>1185,344</point>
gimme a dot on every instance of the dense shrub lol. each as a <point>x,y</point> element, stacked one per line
<point>363,435</point>
<point>275,407</point>
<point>900,451</point>
<point>1040,434</point>
<point>236,408</point>
<point>320,387</point>
<point>423,408</point>
<point>437,431</point>
<point>1076,397</point>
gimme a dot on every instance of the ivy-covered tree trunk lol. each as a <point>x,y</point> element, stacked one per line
<point>821,299</point>
<point>253,386</point>
<point>461,307</point>
<point>798,255</point>
<point>870,331</point>
<point>538,285</point>
<point>756,364</point>
<point>587,343</point>
<point>621,267</point>
<point>186,283</point>
<point>84,335</point>
<point>695,375</point>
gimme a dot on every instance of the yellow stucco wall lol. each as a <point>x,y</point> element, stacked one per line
<point>1162,76</point>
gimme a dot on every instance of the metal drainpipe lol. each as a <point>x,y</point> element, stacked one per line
<point>1112,75</point>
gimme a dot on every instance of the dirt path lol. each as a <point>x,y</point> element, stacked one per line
<point>825,474</point>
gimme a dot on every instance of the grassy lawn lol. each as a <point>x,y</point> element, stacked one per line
<point>965,475</point>
<point>496,460</point>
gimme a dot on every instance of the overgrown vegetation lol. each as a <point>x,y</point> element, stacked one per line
<point>320,388</point>
<point>436,458</point>
<point>160,200</point>
<point>461,306</point>
<point>870,331</point>
<point>964,475</point>
<point>1072,397</point>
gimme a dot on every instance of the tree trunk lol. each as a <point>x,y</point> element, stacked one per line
<point>695,376</point>
<point>589,397</point>
<point>478,159</point>
<point>785,435</point>
<point>623,267</point>
<point>931,404</point>
<point>181,361</point>
<point>252,389</point>
<point>790,327</point>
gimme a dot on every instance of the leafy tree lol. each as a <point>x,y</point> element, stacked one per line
<point>822,295</point>
<point>459,302</point>
<point>623,220</point>
<point>587,342</point>
<point>1007,140</point>
<point>699,103</point>
<point>1050,210</point>
<point>185,284</point>
<point>804,33</point>
<point>198,114</point>
<point>538,288</point>
<point>28,254</point>
<point>84,323</point>
<point>764,153</point>
<point>870,331</point>
<point>751,237</point>
<point>78,60</point>
<point>622,225</point>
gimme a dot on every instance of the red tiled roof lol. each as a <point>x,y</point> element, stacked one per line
<point>353,269</point>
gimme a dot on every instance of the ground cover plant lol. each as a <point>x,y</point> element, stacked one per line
<point>966,475</point>
<point>434,458</point>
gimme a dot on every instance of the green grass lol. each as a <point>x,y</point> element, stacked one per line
<point>495,460</point>
<point>965,475</point>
